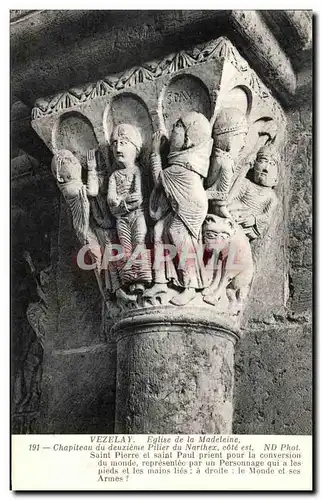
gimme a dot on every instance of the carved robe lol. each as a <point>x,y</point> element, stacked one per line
<point>130,223</point>
<point>255,200</point>
<point>102,229</point>
<point>75,194</point>
<point>92,224</point>
<point>179,203</point>
<point>221,176</point>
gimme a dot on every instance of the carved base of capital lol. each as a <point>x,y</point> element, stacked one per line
<point>175,371</point>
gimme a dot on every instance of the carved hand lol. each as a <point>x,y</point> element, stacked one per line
<point>133,202</point>
<point>246,221</point>
<point>91,159</point>
<point>132,198</point>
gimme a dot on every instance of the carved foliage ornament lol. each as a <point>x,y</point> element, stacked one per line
<point>220,48</point>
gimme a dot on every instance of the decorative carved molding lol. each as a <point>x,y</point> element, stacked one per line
<point>220,48</point>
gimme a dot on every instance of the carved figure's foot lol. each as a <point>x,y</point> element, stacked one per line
<point>157,295</point>
<point>157,289</point>
<point>207,291</point>
<point>183,298</point>
<point>210,300</point>
<point>211,297</point>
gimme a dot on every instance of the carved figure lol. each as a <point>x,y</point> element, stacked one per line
<point>229,262</point>
<point>67,170</point>
<point>255,202</point>
<point>179,205</point>
<point>102,225</point>
<point>125,199</point>
<point>68,173</point>
<point>230,130</point>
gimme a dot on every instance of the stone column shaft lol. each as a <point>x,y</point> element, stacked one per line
<point>175,372</point>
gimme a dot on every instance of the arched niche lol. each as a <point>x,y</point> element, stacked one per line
<point>239,97</point>
<point>183,94</point>
<point>75,132</point>
<point>129,108</point>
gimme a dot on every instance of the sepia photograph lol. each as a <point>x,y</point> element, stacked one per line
<point>161,236</point>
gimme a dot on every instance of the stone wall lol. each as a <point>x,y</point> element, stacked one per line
<point>299,154</point>
<point>273,393</point>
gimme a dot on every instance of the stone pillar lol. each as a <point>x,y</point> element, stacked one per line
<point>175,372</point>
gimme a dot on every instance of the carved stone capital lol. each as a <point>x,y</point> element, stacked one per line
<point>168,171</point>
<point>146,192</point>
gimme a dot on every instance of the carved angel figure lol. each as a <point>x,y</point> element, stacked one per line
<point>68,172</point>
<point>125,200</point>
<point>255,201</point>
<point>230,130</point>
<point>179,205</point>
<point>228,261</point>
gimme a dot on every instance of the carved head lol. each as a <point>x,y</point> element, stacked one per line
<point>266,166</point>
<point>230,131</point>
<point>66,167</point>
<point>126,144</point>
<point>190,130</point>
<point>217,231</point>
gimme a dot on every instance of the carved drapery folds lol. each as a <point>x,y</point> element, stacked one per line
<point>169,172</point>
